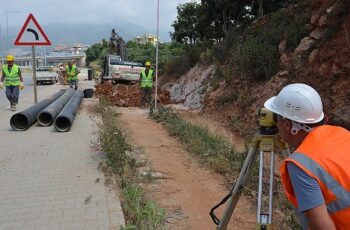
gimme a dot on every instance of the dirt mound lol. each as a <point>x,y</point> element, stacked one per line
<point>127,95</point>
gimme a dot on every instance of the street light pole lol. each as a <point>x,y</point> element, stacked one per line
<point>7,34</point>
<point>157,51</point>
<point>7,28</point>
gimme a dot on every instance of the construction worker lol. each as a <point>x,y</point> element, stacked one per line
<point>316,176</point>
<point>11,74</point>
<point>72,74</point>
<point>146,84</point>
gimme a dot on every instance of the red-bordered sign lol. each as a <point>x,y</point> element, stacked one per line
<point>32,34</point>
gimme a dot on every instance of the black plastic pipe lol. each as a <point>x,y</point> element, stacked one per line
<point>23,120</point>
<point>48,115</point>
<point>64,120</point>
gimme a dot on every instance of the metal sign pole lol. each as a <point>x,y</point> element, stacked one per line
<point>157,48</point>
<point>34,75</point>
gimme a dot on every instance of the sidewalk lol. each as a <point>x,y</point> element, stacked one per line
<point>50,180</point>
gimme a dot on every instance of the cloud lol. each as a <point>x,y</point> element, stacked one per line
<point>139,12</point>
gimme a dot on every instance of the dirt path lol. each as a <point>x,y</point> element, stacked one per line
<point>186,191</point>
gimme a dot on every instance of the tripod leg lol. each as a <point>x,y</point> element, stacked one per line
<point>265,218</point>
<point>238,188</point>
<point>260,188</point>
<point>272,170</point>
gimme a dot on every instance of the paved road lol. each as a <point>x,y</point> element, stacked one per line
<point>28,90</point>
<point>50,180</point>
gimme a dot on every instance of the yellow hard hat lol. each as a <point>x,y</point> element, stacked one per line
<point>10,57</point>
<point>147,63</point>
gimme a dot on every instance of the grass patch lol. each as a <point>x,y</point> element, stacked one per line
<point>140,213</point>
<point>220,156</point>
<point>210,149</point>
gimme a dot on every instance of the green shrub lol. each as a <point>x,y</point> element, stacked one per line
<point>228,98</point>
<point>257,55</point>
<point>256,60</point>
<point>178,66</point>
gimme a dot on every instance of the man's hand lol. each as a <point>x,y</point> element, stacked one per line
<point>21,86</point>
<point>1,87</point>
<point>319,218</point>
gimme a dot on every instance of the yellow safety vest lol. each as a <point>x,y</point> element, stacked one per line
<point>11,78</point>
<point>72,73</point>
<point>147,81</point>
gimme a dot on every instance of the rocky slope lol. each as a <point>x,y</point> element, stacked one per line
<point>321,60</point>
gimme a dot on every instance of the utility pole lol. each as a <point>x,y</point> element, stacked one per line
<point>1,47</point>
<point>157,49</point>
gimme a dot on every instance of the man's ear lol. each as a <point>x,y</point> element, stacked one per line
<point>287,125</point>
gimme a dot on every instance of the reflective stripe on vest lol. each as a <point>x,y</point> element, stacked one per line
<point>342,196</point>
<point>325,156</point>
<point>11,78</point>
<point>147,81</point>
<point>72,72</point>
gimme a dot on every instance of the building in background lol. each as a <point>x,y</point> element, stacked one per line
<point>147,38</point>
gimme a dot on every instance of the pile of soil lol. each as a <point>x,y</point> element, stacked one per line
<point>128,95</point>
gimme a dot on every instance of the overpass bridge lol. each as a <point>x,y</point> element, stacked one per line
<point>51,60</point>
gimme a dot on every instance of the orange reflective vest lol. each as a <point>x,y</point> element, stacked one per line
<point>325,156</point>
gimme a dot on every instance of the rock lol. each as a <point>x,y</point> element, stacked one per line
<point>120,102</point>
<point>314,19</point>
<point>284,60</point>
<point>191,89</point>
<point>282,46</point>
<point>324,69</point>
<point>313,55</point>
<point>341,117</point>
<point>336,68</point>
<point>305,44</point>
<point>323,21</point>
<point>283,73</point>
<point>317,33</point>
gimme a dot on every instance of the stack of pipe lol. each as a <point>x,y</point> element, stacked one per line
<point>23,120</point>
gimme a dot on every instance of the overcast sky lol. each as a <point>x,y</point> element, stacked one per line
<point>139,12</point>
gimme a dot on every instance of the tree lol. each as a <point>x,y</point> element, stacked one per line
<point>185,26</point>
<point>225,14</point>
<point>96,51</point>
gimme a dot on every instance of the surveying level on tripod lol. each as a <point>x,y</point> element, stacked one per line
<point>264,144</point>
<point>267,121</point>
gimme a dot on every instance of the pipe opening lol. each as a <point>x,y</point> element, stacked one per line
<point>19,122</point>
<point>62,124</point>
<point>45,119</point>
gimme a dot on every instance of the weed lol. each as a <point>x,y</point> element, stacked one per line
<point>144,216</point>
<point>140,213</point>
<point>228,98</point>
<point>210,149</point>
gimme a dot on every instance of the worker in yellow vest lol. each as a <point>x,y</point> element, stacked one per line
<point>146,84</point>
<point>316,176</point>
<point>72,74</point>
<point>11,74</point>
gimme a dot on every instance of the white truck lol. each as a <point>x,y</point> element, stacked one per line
<point>46,74</point>
<point>120,71</point>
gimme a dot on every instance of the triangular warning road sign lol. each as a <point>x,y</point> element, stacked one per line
<point>32,34</point>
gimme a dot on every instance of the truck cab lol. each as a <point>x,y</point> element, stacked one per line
<point>119,71</point>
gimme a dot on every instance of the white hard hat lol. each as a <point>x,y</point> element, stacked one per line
<point>297,102</point>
